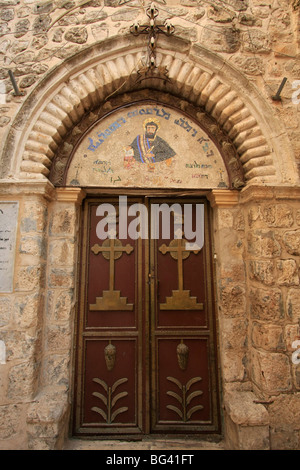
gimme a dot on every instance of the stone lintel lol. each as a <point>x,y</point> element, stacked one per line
<point>9,188</point>
<point>262,193</point>
<point>223,198</point>
<point>73,195</point>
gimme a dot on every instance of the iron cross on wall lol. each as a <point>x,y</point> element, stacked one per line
<point>152,30</point>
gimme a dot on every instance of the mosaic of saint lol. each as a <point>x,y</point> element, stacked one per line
<point>147,146</point>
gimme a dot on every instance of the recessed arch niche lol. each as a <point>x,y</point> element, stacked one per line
<point>90,78</point>
<point>111,148</point>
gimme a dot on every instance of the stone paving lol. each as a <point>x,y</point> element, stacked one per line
<point>155,444</point>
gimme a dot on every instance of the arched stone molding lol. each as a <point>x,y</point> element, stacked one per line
<point>88,79</point>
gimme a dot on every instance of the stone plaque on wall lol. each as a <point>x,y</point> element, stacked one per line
<point>8,228</point>
<point>147,146</point>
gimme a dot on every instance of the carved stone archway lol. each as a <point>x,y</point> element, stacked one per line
<point>88,80</point>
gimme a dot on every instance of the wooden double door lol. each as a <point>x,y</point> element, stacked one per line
<point>146,346</point>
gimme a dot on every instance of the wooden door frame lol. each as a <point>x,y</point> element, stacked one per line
<point>112,193</point>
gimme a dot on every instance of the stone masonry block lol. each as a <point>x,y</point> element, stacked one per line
<point>62,221</point>
<point>268,337</point>
<point>291,241</point>
<point>271,371</point>
<point>278,215</point>
<point>233,300</point>
<point>62,252</point>
<point>288,272</point>
<point>22,381</point>
<point>263,243</point>
<point>60,304</point>
<point>266,304</point>
<point>262,271</point>
<point>293,304</point>
<point>246,422</point>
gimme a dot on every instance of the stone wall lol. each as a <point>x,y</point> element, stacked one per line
<point>257,257</point>
<point>258,37</point>
<point>256,232</point>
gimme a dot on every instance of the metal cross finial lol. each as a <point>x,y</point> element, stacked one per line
<point>152,30</point>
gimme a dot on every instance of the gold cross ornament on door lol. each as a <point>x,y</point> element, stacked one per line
<point>180,298</point>
<point>111,249</point>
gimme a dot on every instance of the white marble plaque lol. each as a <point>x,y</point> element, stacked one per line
<point>8,228</point>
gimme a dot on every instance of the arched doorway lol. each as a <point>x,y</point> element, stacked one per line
<point>146,357</point>
<point>38,148</point>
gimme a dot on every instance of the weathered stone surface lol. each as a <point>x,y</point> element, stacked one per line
<point>9,421</point>
<point>42,8</point>
<point>62,252</point>
<point>21,28</point>
<point>288,272</point>
<point>291,241</point>
<point>34,246</point>
<point>233,300</point>
<point>221,39</point>
<point>93,17</point>
<point>234,334</point>
<point>255,41</point>
<point>63,53</point>
<point>271,371</point>
<point>58,35</point>
<point>262,271</point>
<point>268,337</point>
<point>24,57</point>
<point>278,215</point>
<point>23,12</point>
<point>125,14</point>
<point>266,304</point>
<point>238,5</point>
<point>263,244</point>
<point>39,41</point>
<point>60,304</point>
<point>99,31</point>
<point>4,120</point>
<point>284,412</point>
<point>220,15</point>
<point>28,81</point>
<point>29,278</point>
<point>4,29</point>
<point>5,310</point>
<point>28,310</point>
<point>18,46</point>
<point>41,24</point>
<point>234,365</point>
<point>56,370</point>
<point>254,414</point>
<point>77,35</point>
<point>4,45</point>
<point>7,14</point>
<point>249,65</point>
<point>20,345</point>
<point>293,304</point>
<point>249,20</point>
<point>61,277</point>
<point>22,381</point>
<point>34,217</point>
